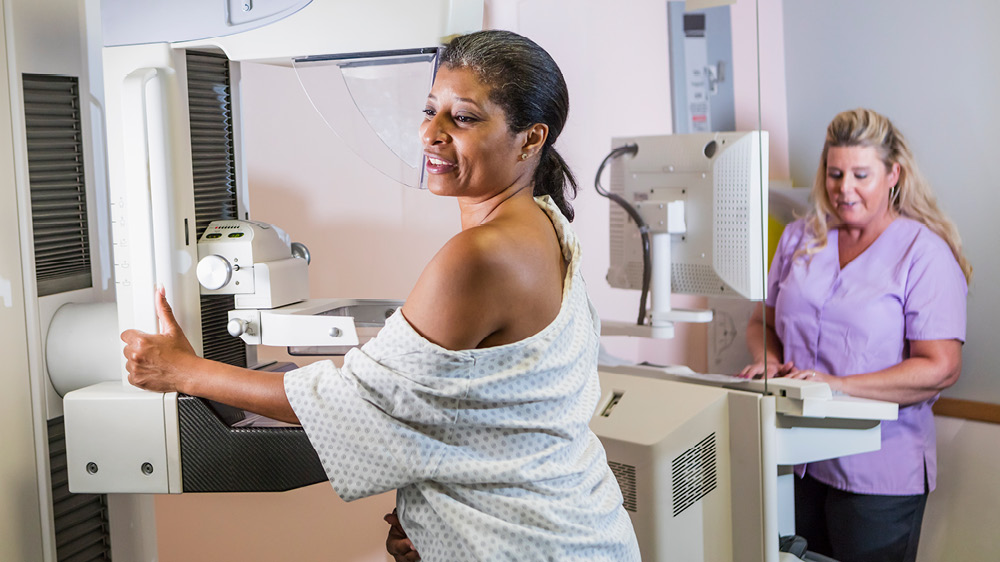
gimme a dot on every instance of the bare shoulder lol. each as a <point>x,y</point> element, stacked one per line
<point>488,285</point>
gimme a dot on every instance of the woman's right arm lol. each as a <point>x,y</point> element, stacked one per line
<point>764,345</point>
<point>166,362</point>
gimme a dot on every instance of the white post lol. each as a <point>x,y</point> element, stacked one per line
<point>659,291</point>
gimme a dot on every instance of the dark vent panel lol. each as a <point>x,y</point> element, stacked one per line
<point>217,344</point>
<point>83,533</point>
<point>212,145</point>
<point>694,474</point>
<point>214,160</point>
<point>56,180</point>
<point>625,474</point>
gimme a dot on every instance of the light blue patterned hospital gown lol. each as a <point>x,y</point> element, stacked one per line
<point>489,448</point>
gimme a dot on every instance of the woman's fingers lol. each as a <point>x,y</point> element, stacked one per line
<point>397,544</point>
<point>805,375</point>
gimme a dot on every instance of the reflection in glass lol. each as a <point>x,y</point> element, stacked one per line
<point>373,102</point>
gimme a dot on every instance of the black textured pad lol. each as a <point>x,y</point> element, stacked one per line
<point>219,458</point>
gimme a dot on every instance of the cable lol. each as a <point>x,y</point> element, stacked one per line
<point>647,270</point>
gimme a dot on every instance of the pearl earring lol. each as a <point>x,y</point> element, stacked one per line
<point>524,156</point>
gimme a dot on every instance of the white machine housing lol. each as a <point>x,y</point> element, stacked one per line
<point>252,260</point>
<point>699,463</point>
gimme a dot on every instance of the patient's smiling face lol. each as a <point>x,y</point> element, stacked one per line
<point>471,151</point>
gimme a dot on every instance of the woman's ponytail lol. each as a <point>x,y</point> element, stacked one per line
<point>551,178</point>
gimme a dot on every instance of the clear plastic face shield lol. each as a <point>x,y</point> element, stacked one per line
<point>388,91</point>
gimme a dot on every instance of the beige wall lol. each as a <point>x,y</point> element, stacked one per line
<point>310,524</point>
<point>963,514</point>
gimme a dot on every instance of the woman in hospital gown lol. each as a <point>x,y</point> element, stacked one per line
<point>474,400</point>
<point>867,293</point>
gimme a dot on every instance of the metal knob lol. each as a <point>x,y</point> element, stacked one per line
<point>237,327</point>
<point>299,250</point>
<point>214,272</point>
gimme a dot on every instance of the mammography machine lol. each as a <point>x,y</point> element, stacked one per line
<point>164,96</point>
<point>171,77</point>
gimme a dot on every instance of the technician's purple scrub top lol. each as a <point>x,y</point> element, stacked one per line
<point>906,286</point>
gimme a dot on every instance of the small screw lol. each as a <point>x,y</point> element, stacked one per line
<point>92,467</point>
<point>147,468</point>
<point>247,7</point>
<point>336,332</point>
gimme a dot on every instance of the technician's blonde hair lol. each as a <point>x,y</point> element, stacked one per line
<point>911,197</point>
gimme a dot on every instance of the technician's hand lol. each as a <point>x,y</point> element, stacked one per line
<point>772,370</point>
<point>836,383</point>
<point>396,543</point>
<point>158,361</point>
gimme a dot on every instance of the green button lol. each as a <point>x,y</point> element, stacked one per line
<point>214,235</point>
<point>235,234</point>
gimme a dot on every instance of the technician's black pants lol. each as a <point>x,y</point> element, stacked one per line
<point>857,527</point>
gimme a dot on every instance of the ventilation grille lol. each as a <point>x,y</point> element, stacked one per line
<point>699,279</point>
<point>625,255</point>
<point>217,344</point>
<point>56,182</point>
<point>81,520</point>
<point>694,474</point>
<point>212,147</point>
<point>214,166</point>
<point>625,474</point>
<point>731,203</point>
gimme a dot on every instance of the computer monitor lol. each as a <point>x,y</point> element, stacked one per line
<point>720,181</point>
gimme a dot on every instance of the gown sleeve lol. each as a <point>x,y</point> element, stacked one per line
<point>378,423</point>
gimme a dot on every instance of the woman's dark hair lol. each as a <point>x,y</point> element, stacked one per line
<point>527,84</point>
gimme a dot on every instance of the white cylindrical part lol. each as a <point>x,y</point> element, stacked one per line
<point>236,327</point>
<point>82,347</point>
<point>659,284</point>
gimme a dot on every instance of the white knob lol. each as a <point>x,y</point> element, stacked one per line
<point>214,272</point>
<point>237,327</point>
